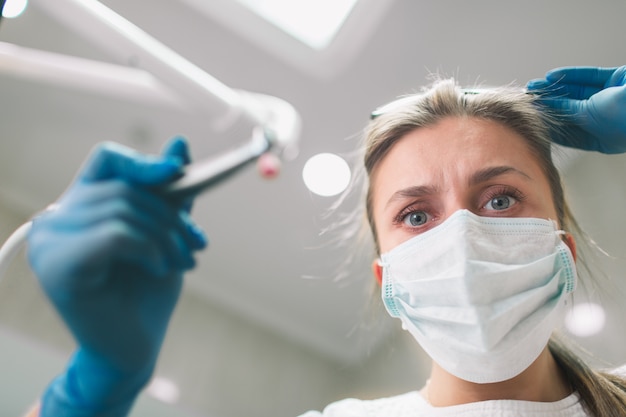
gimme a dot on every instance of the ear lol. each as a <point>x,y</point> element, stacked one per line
<point>571,243</point>
<point>377,269</point>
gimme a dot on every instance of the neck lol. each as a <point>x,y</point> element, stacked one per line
<point>542,381</point>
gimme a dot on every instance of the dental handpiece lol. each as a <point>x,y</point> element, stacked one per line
<point>197,178</point>
<point>202,175</point>
<point>277,129</point>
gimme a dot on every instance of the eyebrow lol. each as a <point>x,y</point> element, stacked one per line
<point>412,192</point>
<point>489,173</point>
<point>478,177</point>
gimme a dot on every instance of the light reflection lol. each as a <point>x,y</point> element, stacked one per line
<point>585,319</point>
<point>164,390</point>
<point>14,8</point>
<point>326,174</point>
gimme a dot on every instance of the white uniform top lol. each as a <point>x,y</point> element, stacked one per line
<point>412,404</point>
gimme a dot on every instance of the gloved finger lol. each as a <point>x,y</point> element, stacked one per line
<point>539,84</point>
<point>589,112</point>
<point>562,90</point>
<point>111,160</point>
<point>90,258</point>
<point>199,240</point>
<point>173,240</point>
<point>159,255</point>
<point>565,106</point>
<point>103,245</point>
<point>590,76</point>
<point>618,78</point>
<point>172,231</point>
<point>179,148</point>
<point>117,242</point>
<point>81,198</point>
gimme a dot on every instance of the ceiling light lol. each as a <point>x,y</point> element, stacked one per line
<point>14,8</point>
<point>585,319</point>
<point>326,174</point>
<point>314,22</point>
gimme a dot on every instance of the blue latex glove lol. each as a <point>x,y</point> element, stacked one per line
<point>594,102</point>
<point>111,258</point>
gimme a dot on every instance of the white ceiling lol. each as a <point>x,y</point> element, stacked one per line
<point>266,259</point>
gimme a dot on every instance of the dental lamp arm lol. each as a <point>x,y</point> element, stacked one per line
<point>223,107</point>
<point>158,74</point>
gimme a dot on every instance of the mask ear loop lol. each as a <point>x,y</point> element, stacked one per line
<point>569,240</point>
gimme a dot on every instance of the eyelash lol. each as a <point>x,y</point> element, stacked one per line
<point>399,218</point>
<point>490,195</point>
<point>503,190</point>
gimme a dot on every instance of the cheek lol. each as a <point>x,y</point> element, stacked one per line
<point>377,234</point>
<point>380,235</point>
<point>388,238</point>
<point>369,226</point>
<point>381,227</point>
<point>548,205</point>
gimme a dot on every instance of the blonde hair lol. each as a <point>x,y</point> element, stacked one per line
<point>602,394</point>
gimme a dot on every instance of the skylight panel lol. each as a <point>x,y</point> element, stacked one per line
<point>313,22</point>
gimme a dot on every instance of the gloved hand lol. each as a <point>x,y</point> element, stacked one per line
<point>594,101</point>
<point>111,259</point>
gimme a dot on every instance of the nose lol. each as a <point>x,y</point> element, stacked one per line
<point>455,200</point>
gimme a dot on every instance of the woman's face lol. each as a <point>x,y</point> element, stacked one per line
<point>458,163</point>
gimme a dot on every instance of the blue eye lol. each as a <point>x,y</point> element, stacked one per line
<point>415,218</point>
<point>500,202</point>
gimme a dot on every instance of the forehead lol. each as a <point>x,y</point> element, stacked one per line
<point>450,150</point>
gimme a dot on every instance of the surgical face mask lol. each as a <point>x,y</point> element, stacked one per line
<point>481,295</point>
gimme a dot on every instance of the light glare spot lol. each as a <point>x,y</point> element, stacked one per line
<point>585,319</point>
<point>14,8</point>
<point>163,390</point>
<point>326,174</point>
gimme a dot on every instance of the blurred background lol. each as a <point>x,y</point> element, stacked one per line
<point>280,317</point>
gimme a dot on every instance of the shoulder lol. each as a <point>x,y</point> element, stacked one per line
<point>413,405</point>
<point>397,406</point>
